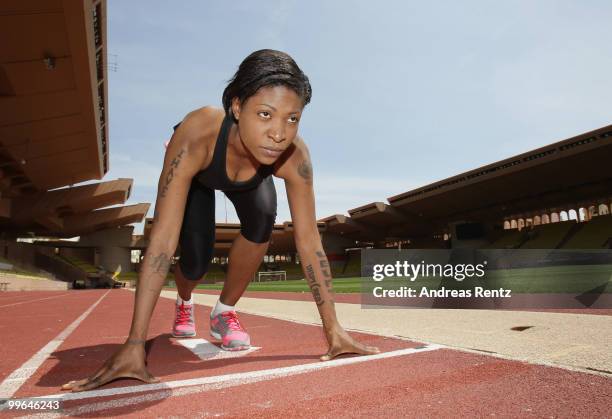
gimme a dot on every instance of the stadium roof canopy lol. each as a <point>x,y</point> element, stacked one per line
<point>569,172</point>
<point>53,120</point>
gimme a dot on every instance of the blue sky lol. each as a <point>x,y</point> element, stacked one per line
<point>405,93</point>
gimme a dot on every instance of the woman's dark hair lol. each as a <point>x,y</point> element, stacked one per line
<point>262,68</point>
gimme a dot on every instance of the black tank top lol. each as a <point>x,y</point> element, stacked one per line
<point>215,175</point>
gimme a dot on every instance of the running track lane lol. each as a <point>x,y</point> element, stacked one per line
<point>30,320</point>
<point>431,384</point>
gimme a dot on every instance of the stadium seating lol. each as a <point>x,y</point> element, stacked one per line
<point>13,268</point>
<point>79,263</point>
<point>594,234</point>
<point>511,239</point>
<point>547,236</point>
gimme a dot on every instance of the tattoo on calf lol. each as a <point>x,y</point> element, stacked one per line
<point>174,164</point>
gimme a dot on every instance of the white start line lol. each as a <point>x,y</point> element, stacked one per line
<point>160,391</point>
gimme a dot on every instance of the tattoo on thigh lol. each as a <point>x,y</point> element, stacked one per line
<point>174,164</point>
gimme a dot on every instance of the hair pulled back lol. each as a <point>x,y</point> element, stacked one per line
<point>263,68</point>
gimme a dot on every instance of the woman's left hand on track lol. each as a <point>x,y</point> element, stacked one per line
<point>341,343</point>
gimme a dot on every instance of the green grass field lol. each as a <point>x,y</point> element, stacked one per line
<point>558,279</point>
<point>341,285</point>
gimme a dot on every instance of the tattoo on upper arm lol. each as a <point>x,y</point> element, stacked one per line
<point>305,170</point>
<point>174,164</point>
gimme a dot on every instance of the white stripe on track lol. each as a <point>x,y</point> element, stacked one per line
<point>203,384</point>
<point>13,382</point>
<point>207,351</point>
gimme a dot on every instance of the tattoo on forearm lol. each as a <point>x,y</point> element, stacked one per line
<point>174,164</point>
<point>305,170</point>
<point>326,270</point>
<point>314,287</point>
<point>310,275</point>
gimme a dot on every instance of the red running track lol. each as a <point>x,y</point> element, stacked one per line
<point>437,383</point>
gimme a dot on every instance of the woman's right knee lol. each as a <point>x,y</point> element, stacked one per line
<point>193,271</point>
<point>196,253</point>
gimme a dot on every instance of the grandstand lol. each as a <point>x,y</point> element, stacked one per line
<point>543,236</point>
<point>595,234</point>
<point>548,236</point>
<point>7,267</point>
<point>54,133</point>
<point>79,263</point>
<point>509,240</point>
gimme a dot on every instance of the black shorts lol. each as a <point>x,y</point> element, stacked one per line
<point>256,209</point>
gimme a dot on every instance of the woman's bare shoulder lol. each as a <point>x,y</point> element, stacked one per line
<point>203,122</point>
<point>197,133</point>
<point>199,129</point>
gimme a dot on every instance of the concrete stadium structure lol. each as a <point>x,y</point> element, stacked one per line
<point>54,134</point>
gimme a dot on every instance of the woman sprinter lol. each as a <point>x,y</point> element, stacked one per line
<point>237,150</point>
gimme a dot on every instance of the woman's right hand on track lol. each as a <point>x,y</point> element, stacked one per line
<point>127,362</point>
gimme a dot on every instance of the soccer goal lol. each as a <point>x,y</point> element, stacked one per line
<point>272,276</point>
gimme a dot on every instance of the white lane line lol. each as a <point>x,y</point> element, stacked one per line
<point>208,351</point>
<point>202,384</point>
<point>13,382</point>
<point>33,301</point>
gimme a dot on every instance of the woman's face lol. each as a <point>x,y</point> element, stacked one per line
<point>268,121</point>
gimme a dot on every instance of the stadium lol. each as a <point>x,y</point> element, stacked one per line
<point>69,244</point>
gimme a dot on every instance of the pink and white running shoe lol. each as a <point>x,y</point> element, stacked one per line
<point>184,321</point>
<point>225,326</point>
